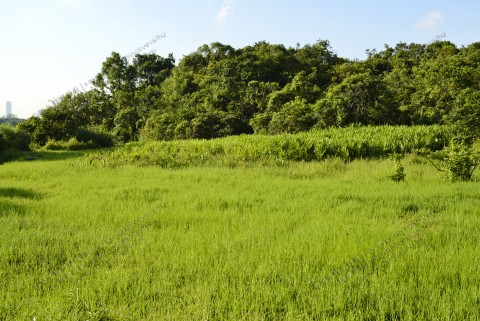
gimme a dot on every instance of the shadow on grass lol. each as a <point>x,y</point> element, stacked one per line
<point>43,155</point>
<point>18,193</point>
<point>51,155</point>
<point>9,208</point>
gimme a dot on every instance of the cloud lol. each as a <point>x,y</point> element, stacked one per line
<point>431,20</point>
<point>227,8</point>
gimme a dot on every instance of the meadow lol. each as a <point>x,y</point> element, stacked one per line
<point>329,239</point>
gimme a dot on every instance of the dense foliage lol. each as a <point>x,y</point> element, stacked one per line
<point>11,120</point>
<point>11,141</point>
<point>266,88</point>
<point>345,143</point>
<point>457,161</point>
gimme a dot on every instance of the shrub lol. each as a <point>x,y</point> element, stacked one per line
<point>295,116</point>
<point>95,137</point>
<point>13,138</point>
<point>72,144</point>
<point>457,161</point>
<point>398,172</point>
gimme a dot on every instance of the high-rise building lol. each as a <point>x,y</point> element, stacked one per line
<point>9,109</point>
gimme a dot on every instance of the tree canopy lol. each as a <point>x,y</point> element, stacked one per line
<point>268,88</point>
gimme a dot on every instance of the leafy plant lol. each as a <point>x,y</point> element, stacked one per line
<point>398,172</point>
<point>72,144</point>
<point>457,161</point>
<point>345,143</point>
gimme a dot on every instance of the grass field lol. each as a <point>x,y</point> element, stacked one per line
<point>303,241</point>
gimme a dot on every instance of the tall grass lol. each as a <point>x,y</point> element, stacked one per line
<point>307,241</point>
<point>345,143</point>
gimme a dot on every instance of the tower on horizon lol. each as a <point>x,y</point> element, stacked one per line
<point>8,112</point>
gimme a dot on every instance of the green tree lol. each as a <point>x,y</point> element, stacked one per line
<point>319,59</point>
<point>295,116</point>
<point>465,115</point>
<point>151,69</point>
<point>359,99</point>
<point>435,84</point>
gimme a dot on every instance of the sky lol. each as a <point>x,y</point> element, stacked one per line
<point>51,47</point>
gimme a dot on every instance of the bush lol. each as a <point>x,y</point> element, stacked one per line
<point>13,138</point>
<point>72,144</point>
<point>457,161</point>
<point>12,141</point>
<point>295,116</point>
<point>398,172</point>
<point>95,137</point>
<point>55,145</point>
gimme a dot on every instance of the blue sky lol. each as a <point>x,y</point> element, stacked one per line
<point>49,47</point>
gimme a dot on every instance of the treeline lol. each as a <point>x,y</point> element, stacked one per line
<point>267,88</point>
<point>11,120</point>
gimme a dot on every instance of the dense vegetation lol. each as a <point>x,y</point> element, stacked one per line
<point>303,241</point>
<point>344,143</point>
<point>12,141</point>
<point>267,88</point>
<point>11,120</point>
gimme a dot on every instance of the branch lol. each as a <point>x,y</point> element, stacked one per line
<point>434,165</point>
<point>474,168</point>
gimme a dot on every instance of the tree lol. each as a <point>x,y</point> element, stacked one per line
<point>151,69</point>
<point>219,90</point>
<point>358,99</point>
<point>319,59</point>
<point>465,115</point>
<point>435,84</point>
<point>294,117</point>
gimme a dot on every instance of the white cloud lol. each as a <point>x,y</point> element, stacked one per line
<point>431,20</point>
<point>227,8</point>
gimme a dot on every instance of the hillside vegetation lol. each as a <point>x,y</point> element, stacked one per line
<point>266,88</point>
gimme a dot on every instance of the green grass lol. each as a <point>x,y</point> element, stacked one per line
<point>303,241</point>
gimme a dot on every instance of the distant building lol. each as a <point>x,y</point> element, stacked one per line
<point>9,109</point>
